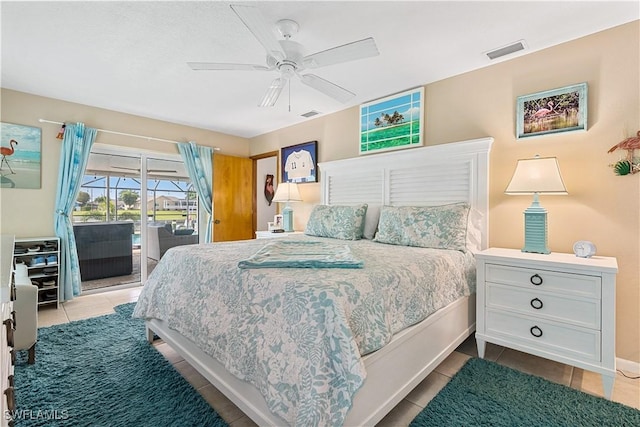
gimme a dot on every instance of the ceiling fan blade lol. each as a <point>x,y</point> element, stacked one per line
<point>273,92</point>
<point>198,66</point>
<point>330,89</point>
<point>360,49</point>
<point>255,22</point>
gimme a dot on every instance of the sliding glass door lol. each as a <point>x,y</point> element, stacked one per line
<point>171,209</point>
<point>124,201</point>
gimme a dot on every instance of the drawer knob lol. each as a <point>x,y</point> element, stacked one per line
<point>536,280</point>
<point>10,337</point>
<point>11,399</point>
<point>8,323</point>
<point>536,303</point>
<point>535,331</point>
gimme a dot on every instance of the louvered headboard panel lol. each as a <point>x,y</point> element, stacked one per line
<point>426,176</point>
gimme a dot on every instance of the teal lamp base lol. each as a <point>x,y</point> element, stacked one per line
<point>535,228</point>
<point>287,218</point>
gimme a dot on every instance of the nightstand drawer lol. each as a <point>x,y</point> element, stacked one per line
<point>568,341</point>
<point>553,281</point>
<point>554,307</point>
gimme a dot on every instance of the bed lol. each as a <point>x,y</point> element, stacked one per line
<point>205,309</point>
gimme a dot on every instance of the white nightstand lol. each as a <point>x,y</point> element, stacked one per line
<point>556,306</point>
<point>270,235</point>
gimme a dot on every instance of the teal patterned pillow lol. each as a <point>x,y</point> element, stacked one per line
<point>438,227</point>
<point>338,222</point>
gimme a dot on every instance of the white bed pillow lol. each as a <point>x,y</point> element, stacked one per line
<point>474,231</point>
<point>371,222</point>
<point>437,227</point>
<point>336,221</point>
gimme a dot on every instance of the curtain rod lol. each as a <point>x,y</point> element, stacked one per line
<point>123,133</point>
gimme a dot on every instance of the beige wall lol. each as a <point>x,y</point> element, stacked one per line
<point>29,213</point>
<point>600,207</point>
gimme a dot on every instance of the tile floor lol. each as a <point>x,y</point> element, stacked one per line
<point>626,391</point>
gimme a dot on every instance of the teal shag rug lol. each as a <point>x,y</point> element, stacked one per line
<point>485,393</point>
<point>102,372</point>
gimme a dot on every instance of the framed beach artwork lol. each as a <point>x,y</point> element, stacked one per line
<point>552,111</point>
<point>299,163</point>
<point>392,123</point>
<point>20,156</point>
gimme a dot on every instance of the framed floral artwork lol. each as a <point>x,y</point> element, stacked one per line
<point>552,111</point>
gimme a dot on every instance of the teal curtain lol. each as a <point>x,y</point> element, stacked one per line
<point>199,163</point>
<point>76,147</point>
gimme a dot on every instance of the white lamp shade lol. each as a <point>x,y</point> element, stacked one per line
<point>538,175</point>
<point>287,192</point>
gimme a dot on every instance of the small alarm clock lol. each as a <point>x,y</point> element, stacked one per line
<point>584,249</point>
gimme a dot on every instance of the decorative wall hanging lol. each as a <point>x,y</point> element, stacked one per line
<point>20,156</point>
<point>392,123</point>
<point>299,163</point>
<point>630,164</point>
<point>552,111</point>
<point>268,189</point>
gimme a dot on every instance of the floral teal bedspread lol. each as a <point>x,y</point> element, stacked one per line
<point>298,334</point>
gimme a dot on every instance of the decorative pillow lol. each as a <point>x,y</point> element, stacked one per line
<point>474,231</point>
<point>183,232</point>
<point>338,222</point>
<point>438,227</point>
<point>371,222</point>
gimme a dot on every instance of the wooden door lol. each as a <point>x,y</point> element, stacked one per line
<point>232,198</point>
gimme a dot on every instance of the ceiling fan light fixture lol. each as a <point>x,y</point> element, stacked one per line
<point>287,57</point>
<point>273,93</point>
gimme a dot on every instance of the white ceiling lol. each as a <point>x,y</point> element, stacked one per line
<point>131,56</point>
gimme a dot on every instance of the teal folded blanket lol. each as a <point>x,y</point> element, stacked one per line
<point>302,254</point>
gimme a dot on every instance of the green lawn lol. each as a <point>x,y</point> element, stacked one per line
<point>133,214</point>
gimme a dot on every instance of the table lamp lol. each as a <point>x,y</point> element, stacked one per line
<point>540,175</point>
<point>285,193</point>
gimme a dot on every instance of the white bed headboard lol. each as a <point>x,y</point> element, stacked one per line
<point>426,176</point>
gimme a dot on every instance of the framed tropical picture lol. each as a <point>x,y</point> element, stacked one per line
<point>392,123</point>
<point>20,156</point>
<point>299,163</point>
<point>552,111</point>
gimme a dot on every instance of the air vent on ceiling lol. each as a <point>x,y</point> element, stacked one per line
<point>310,113</point>
<point>506,50</point>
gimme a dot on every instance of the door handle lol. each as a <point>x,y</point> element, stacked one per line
<point>217,221</point>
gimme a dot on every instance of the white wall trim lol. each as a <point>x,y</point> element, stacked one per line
<point>628,366</point>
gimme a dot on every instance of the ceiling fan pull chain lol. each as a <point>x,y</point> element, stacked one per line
<point>289,95</point>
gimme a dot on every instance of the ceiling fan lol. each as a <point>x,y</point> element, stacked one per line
<point>287,57</point>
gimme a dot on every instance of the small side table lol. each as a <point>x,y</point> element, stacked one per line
<point>556,306</point>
